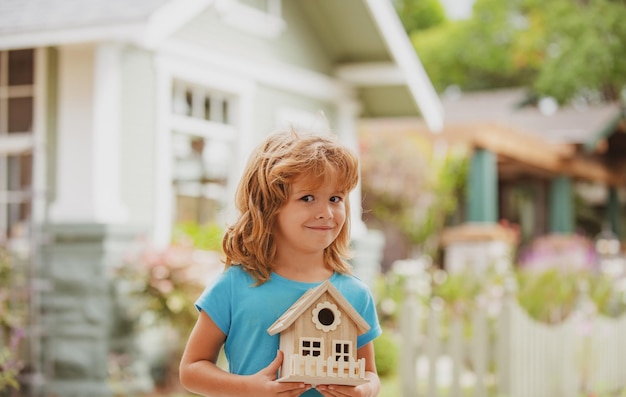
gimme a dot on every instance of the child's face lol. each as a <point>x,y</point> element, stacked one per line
<point>311,219</point>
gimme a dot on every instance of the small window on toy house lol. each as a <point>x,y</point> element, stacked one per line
<point>342,350</point>
<point>259,17</point>
<point>311,347</point>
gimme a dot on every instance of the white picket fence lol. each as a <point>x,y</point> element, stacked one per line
<point>510,354</point>
<point>320,367</point>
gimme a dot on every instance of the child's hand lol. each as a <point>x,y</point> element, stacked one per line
<point>342,391</point>
<point>265,381</point>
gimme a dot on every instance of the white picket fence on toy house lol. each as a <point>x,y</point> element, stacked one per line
<point>318,366</point>
<point>509,354</point>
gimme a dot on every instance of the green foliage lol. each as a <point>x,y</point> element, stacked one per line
<point>457,289</point>
<point>483,52</point>
<point>561,48</point>
<point>552,295</point>
<point>205,237</point>
<point>548,296</point>
<point>12,320</point>
<point>419,14</point>
<point>387,354</point>
<point>584,49</point>
<point>609,301</point>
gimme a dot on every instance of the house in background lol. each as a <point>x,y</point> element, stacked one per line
<point>122,118</point>
<point>545,150</point>
<point>528,162</point>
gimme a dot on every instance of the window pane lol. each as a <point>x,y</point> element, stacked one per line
<point>21,67</point>
<point>20,114</point>
<point>20,171</point>
<point>207,108</point>
<point>16,179</point>
<point>200,171</point>
<point>225,109</point>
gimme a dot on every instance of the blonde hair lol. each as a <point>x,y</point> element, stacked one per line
<point>265,186</point>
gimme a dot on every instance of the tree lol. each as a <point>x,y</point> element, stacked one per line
<point>583,49</point>
<point>419,14</point>
<point>570,50</point>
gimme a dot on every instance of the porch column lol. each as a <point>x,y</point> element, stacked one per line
<point>86,227</point>
<point>561,206</point>
<point>482,188</point>
<point>88,136</point>
<point>368,244</point>
<point>614,213</point>
<point>481,243</point>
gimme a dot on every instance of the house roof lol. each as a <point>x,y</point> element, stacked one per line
<point>307,299</point>
<point>527,141</point>
<point>371,51</point>
<point>562,125</point>
<point>22,16</point>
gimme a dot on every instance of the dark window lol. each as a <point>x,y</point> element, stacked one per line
<point>342,351</point>
<point>311,347</point>
<point>21,67</point>
<point>20,114</point>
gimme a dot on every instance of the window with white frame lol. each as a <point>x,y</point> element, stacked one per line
<point>311,347</point>
<point>204,134</point>
<point>16,141</point>
<point>342,350</point>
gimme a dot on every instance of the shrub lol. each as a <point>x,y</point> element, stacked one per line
<point>387,354</point>
<point>12,317</point>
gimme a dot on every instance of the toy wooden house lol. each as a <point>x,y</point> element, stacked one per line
<point>318,336</point>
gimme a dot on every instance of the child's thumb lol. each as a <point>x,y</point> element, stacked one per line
<point>276,363</point>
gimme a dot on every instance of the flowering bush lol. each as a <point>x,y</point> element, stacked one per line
<point>561,251</point>
<point>554,272</point>
<point>12,317</point>
<point>166,282</point>
<point>410,184</point>
<point>156,289</point>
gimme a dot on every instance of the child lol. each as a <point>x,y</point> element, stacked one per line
<point>291,235</point>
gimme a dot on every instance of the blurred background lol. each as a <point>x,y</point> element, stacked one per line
<point>489,221</point>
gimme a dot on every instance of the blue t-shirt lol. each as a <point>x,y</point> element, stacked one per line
<point>244,312</point>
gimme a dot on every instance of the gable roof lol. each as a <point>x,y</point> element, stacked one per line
<point>370,48</point>
<point>38,15</point>
<point>39,23</point>
<point>374,53</point>
<point>528,141</point>
<point>307,299</point>
<point>566,125</point>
